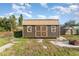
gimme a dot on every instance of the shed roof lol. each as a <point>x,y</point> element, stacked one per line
<point>41,22</point>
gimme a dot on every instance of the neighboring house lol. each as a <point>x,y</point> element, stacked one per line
<point>76,27</point>
<point>41,28</point>
<point>70,30</point>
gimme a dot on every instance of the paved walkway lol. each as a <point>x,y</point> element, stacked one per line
<point>63,44</point>
<point>2,48</point>
<point>40,40</point>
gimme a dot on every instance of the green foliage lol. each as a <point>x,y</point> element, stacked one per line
<point>20,20</point>
<point>70,23</point>
<point>2,29</point>
<point>8,24</point>
<point>18,34</point>
<point>12,20</point>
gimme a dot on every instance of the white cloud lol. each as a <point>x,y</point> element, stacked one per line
<point>74,7</point>
<point>61,9</point>
<point>17,16</point>
<point>2,16</point>
<point>11,13</point>
<point>67,9</point>
<point>48,17</point>
<point>44,5</point>
<point>77,14</point>
<point>54,17</point>
<point>41,16</point>
<point>20,9</point>
<point>30,11</point>
<point>21,4</point>
<point>28,5</point>
<point>17,7</point>
<point>25,4</point>
<point>21,12</point>
<point>29,15</point>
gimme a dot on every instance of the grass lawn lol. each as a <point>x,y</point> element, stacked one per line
<point>4,41</point>
<point>71,37</point>
<point>30,47</point>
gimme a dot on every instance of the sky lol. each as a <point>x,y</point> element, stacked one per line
<point>62,11</point>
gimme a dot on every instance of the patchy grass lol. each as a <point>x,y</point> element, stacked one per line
<point>4,41</point>
<point>30,47</point>
<point>71,37</point>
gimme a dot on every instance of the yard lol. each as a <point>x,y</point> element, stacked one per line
<point>5,37</point>
<point>71,37</point>
<point>31,47</point>
<point>4,41</point>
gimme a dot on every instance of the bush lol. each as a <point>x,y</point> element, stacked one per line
<point>2,29</point>
<point>18,34</point>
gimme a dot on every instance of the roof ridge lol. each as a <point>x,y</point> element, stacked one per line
<point>40,19</point>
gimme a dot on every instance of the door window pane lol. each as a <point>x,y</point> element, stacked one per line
<point>53,28</point>
<point>38,33</point>
<point>43,28</point>
<point>37,28</point>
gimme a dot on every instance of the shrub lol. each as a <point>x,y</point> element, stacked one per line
<point>18,34</point>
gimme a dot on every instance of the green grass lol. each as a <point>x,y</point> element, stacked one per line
<point>30,47</point>
<point>71,37</point>
<point>4,41</point>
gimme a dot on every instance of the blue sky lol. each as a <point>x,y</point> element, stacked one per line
<point>62,11</point>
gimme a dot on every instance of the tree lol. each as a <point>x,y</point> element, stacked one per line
<point>8,24</point>
<point>4,23</point>
<point>12,20</point>
<point>70,23</point>
<point>1,21</point>
<point>78,24</point>
<point>20,20</point>
<point>1,24</point>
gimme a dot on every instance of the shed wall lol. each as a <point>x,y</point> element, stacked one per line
<point>32,34</point>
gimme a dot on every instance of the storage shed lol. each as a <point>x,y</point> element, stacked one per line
<point>41,28</point>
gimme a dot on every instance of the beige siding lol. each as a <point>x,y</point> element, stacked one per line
<point>28,34</point>
<point>49,33</point>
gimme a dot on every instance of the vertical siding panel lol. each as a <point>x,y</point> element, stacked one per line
<point>53,34</point>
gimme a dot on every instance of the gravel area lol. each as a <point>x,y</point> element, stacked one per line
<point>39,40</point>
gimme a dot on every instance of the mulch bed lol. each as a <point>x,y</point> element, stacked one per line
<point>74,42</point>
<point>5,34</point>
